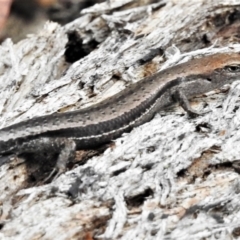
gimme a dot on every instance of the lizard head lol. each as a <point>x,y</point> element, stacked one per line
<point>230,70</point>
<point>225,75</point>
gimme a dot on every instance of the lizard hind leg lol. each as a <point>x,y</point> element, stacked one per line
<point>67,153</point>
<point>63,146</point>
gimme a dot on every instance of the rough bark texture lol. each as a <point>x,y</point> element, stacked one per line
<point>171,178</point>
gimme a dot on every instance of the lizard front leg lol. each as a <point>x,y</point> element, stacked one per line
<point>187,89</point>
<point>179,96</point>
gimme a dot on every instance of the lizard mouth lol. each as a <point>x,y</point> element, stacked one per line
<point>209,79</point>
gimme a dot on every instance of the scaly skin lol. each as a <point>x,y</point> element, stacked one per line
<point>135,105</point>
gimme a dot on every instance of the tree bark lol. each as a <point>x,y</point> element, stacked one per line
<point>171,178</point>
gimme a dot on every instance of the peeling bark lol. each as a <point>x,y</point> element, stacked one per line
<point>171,178</point>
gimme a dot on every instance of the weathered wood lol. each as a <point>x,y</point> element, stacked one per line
<point>171,178</point>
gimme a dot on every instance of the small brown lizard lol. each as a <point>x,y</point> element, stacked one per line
<point>135,105</point>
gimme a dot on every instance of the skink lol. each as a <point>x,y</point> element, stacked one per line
<point>90,127</point>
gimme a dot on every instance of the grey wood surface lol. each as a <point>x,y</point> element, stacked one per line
<point>171,178</point>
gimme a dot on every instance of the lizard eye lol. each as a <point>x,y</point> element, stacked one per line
<point>233,68</point>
